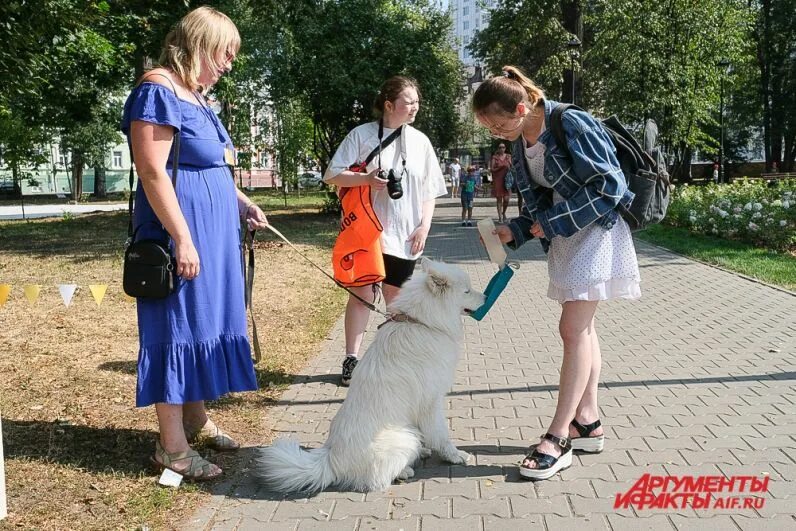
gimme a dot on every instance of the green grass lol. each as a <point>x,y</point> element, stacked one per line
<point>265,197</point>
<point>763,264</point>
<point>275,199</point>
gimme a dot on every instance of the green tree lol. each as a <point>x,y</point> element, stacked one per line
<point>775,35</point>
<point>333,56</point>
<point>664,65</point>
<point>21,147</point>
<point>63,59</point>
<point>292,140</point>
<point>518,35</point>
<point>89,143</point>
<point>470,136</point>
<point>641,58</point>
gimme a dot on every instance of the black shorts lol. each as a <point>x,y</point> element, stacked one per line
<point>397,270</point>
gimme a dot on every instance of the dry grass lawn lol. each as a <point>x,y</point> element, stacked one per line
<point>76,447</point>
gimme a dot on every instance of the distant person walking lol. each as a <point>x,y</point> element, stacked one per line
<point>456,172</point>
<point>499,166</point>
<point>470,183</point>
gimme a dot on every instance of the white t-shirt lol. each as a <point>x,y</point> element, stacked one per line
<point>423,180</point>
<point>456,171</point>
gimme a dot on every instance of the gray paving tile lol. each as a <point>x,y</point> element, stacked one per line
<point>691,391</point>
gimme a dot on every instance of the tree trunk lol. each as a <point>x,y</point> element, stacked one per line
<point>789,155</point>
<point>572,20</point>
<point>100,191</point>
<point>16,182</point>
<point>142,64</point>
<point>77,175</point>
<point>763,53</point>
<point>681,172</point>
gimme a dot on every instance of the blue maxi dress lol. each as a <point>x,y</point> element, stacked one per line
<point>194,343</point>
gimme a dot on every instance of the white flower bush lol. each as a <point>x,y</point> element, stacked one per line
<point>752,211</point>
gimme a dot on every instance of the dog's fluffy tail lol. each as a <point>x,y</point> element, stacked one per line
<point>286,467</point>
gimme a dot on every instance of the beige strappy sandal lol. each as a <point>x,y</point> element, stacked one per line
<point>212,436</point>
<point>199,469</point>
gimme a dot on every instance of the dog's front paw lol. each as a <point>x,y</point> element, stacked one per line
<point>425,453</point>
<point>406,473</point>
<point>455,456</point>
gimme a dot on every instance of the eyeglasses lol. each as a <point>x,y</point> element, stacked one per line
<point>497,131</point>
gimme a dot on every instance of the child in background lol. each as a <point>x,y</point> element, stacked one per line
<point>469,183</point>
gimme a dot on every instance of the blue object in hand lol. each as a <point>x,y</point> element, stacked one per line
<point>493,290</point>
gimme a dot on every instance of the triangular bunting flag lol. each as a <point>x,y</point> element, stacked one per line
<point>98,291</point>
<point>67,292</point>
<point>5,289</point>
<point>31,292</point>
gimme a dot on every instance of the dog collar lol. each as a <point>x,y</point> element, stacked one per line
<point>399,317</point>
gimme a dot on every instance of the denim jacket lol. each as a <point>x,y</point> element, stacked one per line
<point>590,181</point>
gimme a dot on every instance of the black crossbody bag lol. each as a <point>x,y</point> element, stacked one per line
<point>150,270</point>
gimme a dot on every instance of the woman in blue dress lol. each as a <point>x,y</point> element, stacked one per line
<point>193,344</point>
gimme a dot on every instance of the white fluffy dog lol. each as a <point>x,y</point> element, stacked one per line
<point>396,399</point>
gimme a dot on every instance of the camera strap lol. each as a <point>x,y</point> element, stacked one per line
<point>386,142</point>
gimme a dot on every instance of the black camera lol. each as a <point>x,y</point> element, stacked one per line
<point>394,188</point>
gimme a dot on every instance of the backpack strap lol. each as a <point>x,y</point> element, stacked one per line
<point>557,125</point>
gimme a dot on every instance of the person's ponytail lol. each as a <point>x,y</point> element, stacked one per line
<point>503,92</point>
<point>535,94</point>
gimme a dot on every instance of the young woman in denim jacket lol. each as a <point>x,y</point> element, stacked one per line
<point>570,205</point>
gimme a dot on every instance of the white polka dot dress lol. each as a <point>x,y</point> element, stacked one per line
<point>593,264</point>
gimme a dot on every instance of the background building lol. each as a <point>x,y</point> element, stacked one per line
<point>469,17</point>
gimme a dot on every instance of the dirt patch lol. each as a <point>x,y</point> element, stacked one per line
<point>76,447</point>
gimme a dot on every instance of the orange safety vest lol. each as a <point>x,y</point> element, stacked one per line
<point>356,257</point>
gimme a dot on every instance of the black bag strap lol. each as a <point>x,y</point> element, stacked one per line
<point>248,276</point>
<point>175,146</point>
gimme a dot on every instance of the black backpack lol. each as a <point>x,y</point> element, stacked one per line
<point>644,168</point>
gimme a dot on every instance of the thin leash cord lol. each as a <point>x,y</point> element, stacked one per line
<point>369,305</point>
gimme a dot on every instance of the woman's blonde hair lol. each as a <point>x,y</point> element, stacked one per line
<point>203,33</point>
<point>501,94</point>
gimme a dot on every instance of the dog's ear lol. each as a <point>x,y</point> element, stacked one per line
<point>437,283</point>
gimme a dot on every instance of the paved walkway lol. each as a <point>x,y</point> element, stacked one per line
<point>698,379</point>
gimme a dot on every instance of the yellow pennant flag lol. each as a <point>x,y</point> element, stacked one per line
<point>98,291</point>
<point>31,292</point>
<point>5,289</point>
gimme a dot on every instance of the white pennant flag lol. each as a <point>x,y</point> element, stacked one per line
<point>67,292</point>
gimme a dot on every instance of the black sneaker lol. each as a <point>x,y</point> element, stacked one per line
<point>349,364</point>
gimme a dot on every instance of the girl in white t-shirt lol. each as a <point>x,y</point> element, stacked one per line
<point>407,220</point>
